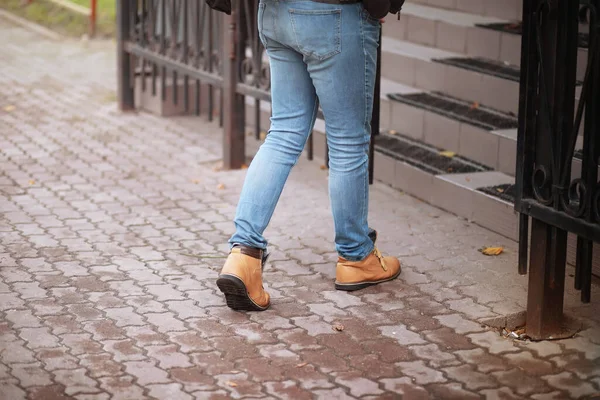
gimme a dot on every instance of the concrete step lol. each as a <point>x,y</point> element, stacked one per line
<point>454,31</point>
<point>460,32</point>
<point>474,131</point>
<point>489,82</point>
<point>507,9</point>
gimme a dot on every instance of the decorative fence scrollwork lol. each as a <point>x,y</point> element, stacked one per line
<point>558,151</point>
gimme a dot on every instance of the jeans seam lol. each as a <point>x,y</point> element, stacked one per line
<point>362,35</point>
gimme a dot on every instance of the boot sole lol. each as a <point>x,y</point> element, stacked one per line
<point>236,294</point>
<point>350,287</point>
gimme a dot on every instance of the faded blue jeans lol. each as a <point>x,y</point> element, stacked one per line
<point>319,54</point>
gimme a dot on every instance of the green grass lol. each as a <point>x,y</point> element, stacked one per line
<point>63,20</point>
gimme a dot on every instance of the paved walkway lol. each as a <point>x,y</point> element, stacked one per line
<point>113,228</point>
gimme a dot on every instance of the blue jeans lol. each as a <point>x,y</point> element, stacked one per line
<point>319,54</point>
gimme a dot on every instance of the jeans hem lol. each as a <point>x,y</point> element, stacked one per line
<point>364,255</point>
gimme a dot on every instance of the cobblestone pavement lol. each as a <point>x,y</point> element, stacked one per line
<point>114,226</point>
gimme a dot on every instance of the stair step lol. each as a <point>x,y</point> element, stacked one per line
<point>424,156</point>
<point>460,110</point>
<point>516,28</point>
<point>509,9</point>
<point>428,68</point>
<point>484,66</point>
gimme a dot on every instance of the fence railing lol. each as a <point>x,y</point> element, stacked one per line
<point>549,126</point>
<point>217,60</point>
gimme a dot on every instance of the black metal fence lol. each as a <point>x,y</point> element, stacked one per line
<point>217,60</point>
<point>550,118</point>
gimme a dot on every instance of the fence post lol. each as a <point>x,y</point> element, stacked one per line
<point>124,60</point>
<point>93,15</point>
<point>233,103</point>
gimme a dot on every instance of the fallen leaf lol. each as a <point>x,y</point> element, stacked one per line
<point>450,169</point>
<point>234,372</point>
<point>230,383</point>
<point>244,166</point>
<point>338,327</point>
<point>447,153</point>
<point>31,182</point>
<point>492,251</point>
<point>220,186</point>
<point>262,135</point>
<point>393,132</point>
<point>500,190</point>
<point>301,365</point>
<point>196,181</point>
<point>474,105</point>
<point>10,108</point>
<point>323,167</point>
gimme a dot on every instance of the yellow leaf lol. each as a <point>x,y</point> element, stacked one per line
<point>301,365</point>
<point>500,190</point>
<point>323,167</point>
<point>31,182</point>
<point>234,372</point>
<point>10,108</point>
<point>230,383</point>
<point>447,153</point>
<point>244,166</point>
<point>492,251</point>
<point>474,105</point>
<point>220,186</point>
<point>262,135</point>
<point>393,132</point>
<point>338,327</point>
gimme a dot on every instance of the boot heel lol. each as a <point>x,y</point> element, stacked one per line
<point>236,294</point>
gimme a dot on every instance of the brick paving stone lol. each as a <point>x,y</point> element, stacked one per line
<point>122,388</point>
<point>451,391</point>
<point>458,323</point>
<point>421,374</point>
<point>31,374</point>
<point>544,348</point>
<point>402,335</point>
<point>483,361</point>
<point>75,381</point>
<point>495,343</point>
<point>500,394</point>
<point>472,379</point>
<point>567,382</point>
<point>167,391</point>
<point>583,345</point>
<point>358,385</point>
<point>404,386</point>
<point>287,390</point>
<point>434,355</point>
<point>521,382</point>
<point>526,361</point>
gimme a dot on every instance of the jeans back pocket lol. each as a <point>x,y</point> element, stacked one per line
<point>317,32</point>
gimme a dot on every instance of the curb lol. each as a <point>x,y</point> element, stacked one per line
<point>31,26</point>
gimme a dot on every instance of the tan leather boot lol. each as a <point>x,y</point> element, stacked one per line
<point>241,280</point>
<point>374,269</point>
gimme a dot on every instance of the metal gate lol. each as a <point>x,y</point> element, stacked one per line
<point>551,124</point>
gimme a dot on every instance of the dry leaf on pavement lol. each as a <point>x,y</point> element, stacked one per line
<point>230,383</point>
<point>220,186</point>
<point>338,327</point>
<point>9,108</point>
<point>301,365</point>
<point>492,251</point>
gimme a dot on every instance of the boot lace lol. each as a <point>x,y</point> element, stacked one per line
<point>380,257</point>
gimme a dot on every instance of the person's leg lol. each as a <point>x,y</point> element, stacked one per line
<point>344,77</point>
<point>340,47</point>
<point>294,109</point>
